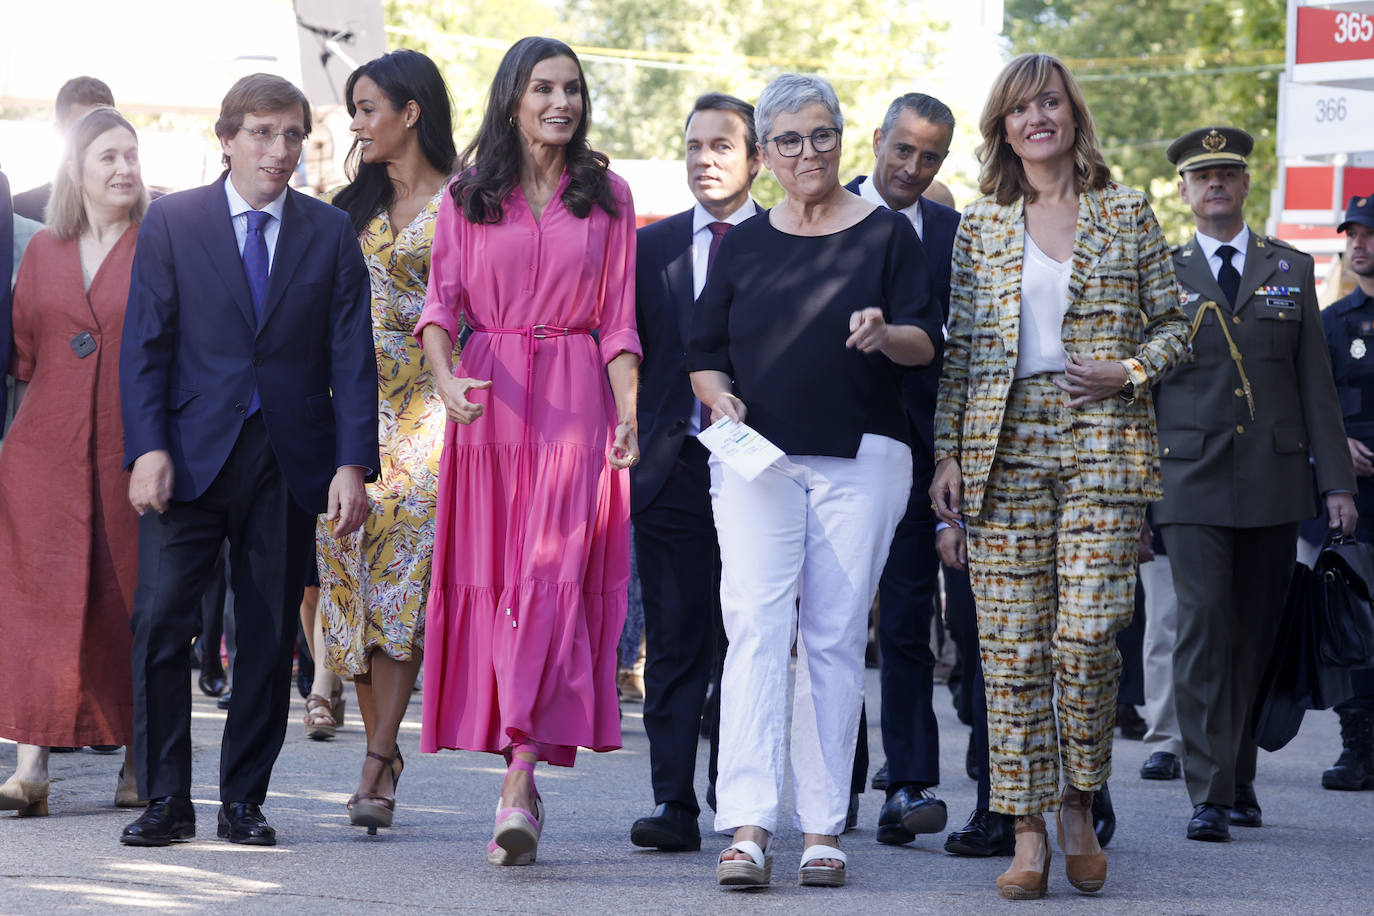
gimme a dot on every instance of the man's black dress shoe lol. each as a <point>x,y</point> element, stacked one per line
<point>1161,765</point>
<point>671,827</point>
<point>212,684</point>
<point>880,777</point>
<point>1209,823</point>
<point>242,822</point>
<point>166,820</point>
<point>223,701</point>
<point>907,812</point>
<point>1129,721</point>
<point>1246,810</point>
<point>1104,816</point>
<point>987,833</point>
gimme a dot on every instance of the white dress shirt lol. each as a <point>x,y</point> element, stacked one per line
<point>238,209</point>
<point>1044,300</point>
<point>868,191</point>
<point>701,238</point>
<point>1210,245</point>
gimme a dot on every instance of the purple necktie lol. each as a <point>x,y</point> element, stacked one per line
<point>718,230</point>
<point>255,267</point>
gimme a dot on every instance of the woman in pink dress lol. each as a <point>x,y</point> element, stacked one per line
<point>534,246</point>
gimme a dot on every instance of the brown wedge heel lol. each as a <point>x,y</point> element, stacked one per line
<point>1087,872</point>
<point>1026,883</point>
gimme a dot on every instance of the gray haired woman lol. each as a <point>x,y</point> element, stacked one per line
<point>809,313</point>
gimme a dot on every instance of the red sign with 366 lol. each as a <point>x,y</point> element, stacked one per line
<point>1326,35</point>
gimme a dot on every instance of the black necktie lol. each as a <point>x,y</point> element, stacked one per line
<point>1228,277</point>
<point>718,230</point>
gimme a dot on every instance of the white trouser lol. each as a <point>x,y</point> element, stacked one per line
<point>1161,632</point>
<point>823,525</point>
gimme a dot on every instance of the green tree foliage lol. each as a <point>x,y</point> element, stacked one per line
<point>1154,69</point>
<point>871,50</point>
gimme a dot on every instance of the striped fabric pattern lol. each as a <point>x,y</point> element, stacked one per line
<point>1053,567</point>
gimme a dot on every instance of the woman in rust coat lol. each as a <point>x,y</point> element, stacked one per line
<point>67,531</point>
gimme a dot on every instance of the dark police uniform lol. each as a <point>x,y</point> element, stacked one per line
<point>1349,327</point>
<point>1237,419</point>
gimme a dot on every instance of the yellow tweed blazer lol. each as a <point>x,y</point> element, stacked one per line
<point>1123,305</point>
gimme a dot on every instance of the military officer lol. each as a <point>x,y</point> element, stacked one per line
<point>1349,326</point>
<point>1237,419</point>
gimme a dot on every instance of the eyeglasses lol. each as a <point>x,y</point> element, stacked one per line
<point>823,140</point>
<point>265,139</point>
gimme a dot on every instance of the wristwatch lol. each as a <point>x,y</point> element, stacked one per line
<point>1127,392</point>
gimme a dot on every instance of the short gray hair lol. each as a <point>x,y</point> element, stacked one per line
<point>793,92</point>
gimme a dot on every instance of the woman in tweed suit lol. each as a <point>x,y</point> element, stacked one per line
<point>1063,310</point>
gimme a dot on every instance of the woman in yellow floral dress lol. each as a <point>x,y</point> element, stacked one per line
<point>374,584</point>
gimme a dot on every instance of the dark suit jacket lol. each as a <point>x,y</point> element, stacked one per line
<point>1221,466</point>
<point>921,384</point>
<point>663,312</point>
<point>30,204</point>
<point>193,350</point>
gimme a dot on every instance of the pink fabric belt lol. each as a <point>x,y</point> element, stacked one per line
<point>532,334</point>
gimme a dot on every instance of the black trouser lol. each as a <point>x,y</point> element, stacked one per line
<point>217,615</point>
<point>906,606</point>
<point>1231,584</point>
<point>962,621</point>
<point>679,571</point>
<point>269,537</point>
<point>1130,642</point>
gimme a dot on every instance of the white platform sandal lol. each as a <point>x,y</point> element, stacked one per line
<point>756,871</point>
<point>822,875</point>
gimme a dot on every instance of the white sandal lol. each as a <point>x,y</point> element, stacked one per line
<point>822,875</point>
<point>756,871</point>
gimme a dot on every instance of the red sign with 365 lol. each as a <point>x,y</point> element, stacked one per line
<point>1327,35</point>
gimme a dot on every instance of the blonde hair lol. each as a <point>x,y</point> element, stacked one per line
<point>66,213</point>
<point>1002,174</point>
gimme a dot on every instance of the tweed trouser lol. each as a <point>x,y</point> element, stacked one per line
<point>1053,568</point>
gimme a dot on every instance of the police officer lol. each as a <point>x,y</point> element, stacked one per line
<point>1349,326</point>
<point>1237,419</point>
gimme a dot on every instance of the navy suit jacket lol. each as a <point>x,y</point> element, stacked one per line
<point>193,349</point>
<point>920,386</point>
<point>663,312</point>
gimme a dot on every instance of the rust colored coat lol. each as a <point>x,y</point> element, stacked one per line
<point>68,536</point>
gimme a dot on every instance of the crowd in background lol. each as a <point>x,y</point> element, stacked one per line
<point>415,432</point>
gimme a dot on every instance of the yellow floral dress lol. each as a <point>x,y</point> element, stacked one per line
<point>374,583</point>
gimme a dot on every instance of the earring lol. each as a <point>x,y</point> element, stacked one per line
<point>512,120</point>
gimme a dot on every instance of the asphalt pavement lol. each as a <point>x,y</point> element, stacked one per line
<point>1315,853</point>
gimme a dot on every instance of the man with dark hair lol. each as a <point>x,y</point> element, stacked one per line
<point>1349,327</point>
<point>249,398</point>
<point>1238,419</point>
<point>670,504</point>
<point>75,98</point>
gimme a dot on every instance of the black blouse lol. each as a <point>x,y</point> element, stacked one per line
<point>774,316</point>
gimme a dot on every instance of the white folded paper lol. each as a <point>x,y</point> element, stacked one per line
<point>740,446</point>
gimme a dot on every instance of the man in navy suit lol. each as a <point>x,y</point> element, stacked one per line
<point>908,150</point>
<point>670,503</point>
<point>249,397</point>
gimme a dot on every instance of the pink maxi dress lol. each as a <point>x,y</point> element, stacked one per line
<point>531,552</point>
